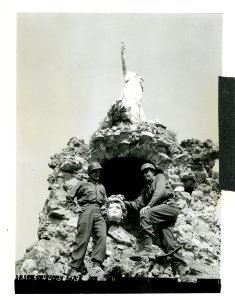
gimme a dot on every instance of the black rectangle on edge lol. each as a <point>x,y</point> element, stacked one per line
<point>227,133</point>
<point>117,286</point>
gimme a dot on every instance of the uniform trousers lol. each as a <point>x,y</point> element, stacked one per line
<point>90,221</point>
<point>162,218</point>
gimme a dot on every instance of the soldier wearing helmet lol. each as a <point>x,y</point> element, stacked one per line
<point>91,195</point>
<point>158,210</point>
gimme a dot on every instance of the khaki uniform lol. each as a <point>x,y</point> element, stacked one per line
<point>90,197</point>
<point>161,216</point>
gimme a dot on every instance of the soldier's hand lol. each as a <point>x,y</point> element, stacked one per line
<point>144,209</point>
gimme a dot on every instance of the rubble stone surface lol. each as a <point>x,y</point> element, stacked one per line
<point>189,169</point>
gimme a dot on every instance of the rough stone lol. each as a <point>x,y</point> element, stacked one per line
<point>69,184</point>
<point>145,135</point>
<point>58,213</point>
<point>28,266</point>
<point>197,228</point>
<point>69,166</point>
<point>72,222</point>
<point>182,158</point>
<point>179,189</point>
<point>121,235</point>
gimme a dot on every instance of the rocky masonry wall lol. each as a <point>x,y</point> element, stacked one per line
<point>189,168</point>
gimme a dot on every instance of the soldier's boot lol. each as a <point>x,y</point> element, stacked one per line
<point>73,271</point>
<point>148,249</point>
<point>178,266</point>
<point>97,265</point>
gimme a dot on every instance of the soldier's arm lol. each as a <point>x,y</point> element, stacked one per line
<point>72,193</point>
<point>159,191</point>
<point>136,204</point>
<point>103,207</point>
<point>105,195</point>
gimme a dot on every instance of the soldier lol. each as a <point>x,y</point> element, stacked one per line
<point>158,210</point>
<point>91,195</point>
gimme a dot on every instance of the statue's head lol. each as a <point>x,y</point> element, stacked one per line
<point>115,210</point>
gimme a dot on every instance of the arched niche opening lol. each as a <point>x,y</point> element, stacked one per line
<point>121,175</point>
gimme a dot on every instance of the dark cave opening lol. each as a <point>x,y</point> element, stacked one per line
<point>122,175</point>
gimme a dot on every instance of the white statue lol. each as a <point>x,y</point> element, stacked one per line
<point>115,211</point>
<point>132,92</point>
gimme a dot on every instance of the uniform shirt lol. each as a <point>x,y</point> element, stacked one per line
<point>158,192</point>
<point>88,192</point>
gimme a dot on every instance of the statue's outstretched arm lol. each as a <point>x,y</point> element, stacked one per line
<point>124,68</point>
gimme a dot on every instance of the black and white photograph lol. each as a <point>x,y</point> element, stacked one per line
<point>117,151</point>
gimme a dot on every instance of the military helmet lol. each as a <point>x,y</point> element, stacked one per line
<point>148,166</point>
<point>93,166</point>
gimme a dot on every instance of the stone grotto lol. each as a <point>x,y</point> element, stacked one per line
<point>122,147</point>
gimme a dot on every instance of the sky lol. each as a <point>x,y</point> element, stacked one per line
<point>69,73</point>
